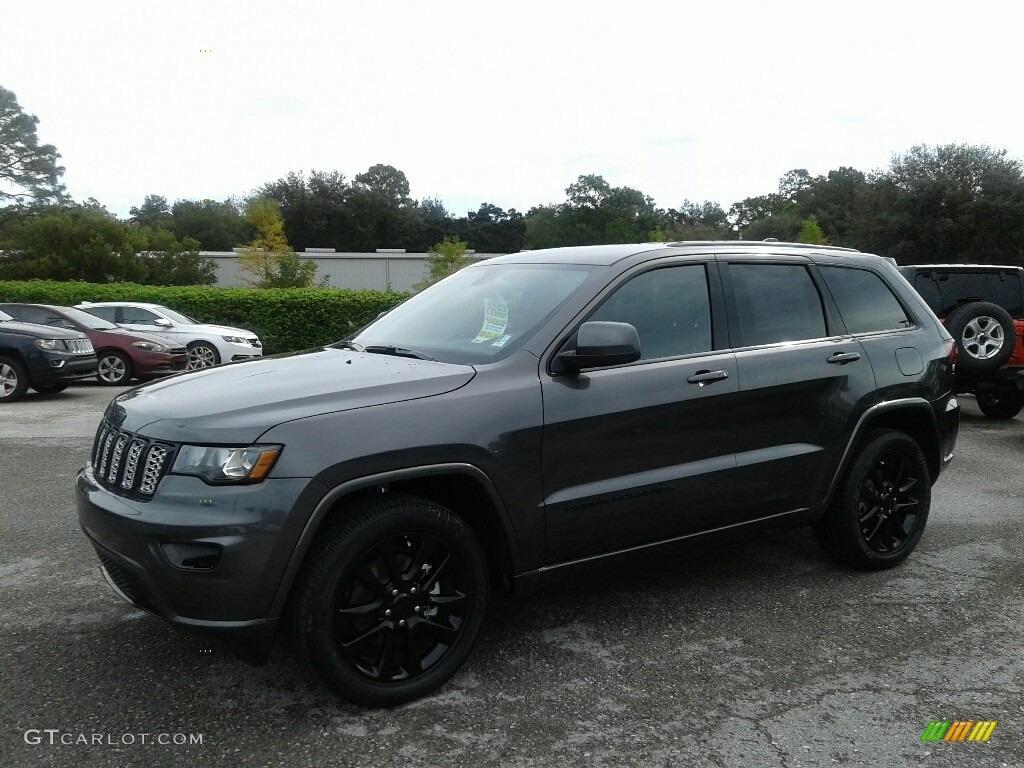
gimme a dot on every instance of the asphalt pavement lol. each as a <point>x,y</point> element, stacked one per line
<point>748,651</point>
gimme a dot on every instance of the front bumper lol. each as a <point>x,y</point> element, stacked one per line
<point>51,367</point>
<point>231,352</point>
<point>207,559</point>
<point>151,364</point>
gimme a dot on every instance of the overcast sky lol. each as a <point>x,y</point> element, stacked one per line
<point>505,102</point>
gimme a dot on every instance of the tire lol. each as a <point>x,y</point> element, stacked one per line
<point>202,354</point>
<point>984,336</point>
<point>114,369</point>
<point>391,600</point>
<point>13,380</point>
<point>881,507</point>
<point>49,389</point>
<point>1003,403</point>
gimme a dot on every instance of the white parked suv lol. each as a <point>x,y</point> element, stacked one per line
<point>207,344</point>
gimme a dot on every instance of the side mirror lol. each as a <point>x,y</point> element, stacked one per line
<point>600,344</point>
<point>163,322</point>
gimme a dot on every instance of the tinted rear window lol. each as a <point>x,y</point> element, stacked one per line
<point>865,301</point>
<point>945,291</point>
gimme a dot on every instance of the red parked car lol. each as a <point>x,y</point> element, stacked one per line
<point>123,355</point>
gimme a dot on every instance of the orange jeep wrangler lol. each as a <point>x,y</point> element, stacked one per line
<point>982,307</point>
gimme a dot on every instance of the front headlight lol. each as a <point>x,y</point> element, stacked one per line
<point>235,340</point>
<point>150,346</point>
<point>217,465</point>
<point>50,344</point>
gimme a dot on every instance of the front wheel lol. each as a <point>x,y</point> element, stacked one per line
<point>391,601</point>
<point>114,369</point>
<point>880,510</point>
<point>202,354</point>
<point>1002,403</point>
<point>49,389</point>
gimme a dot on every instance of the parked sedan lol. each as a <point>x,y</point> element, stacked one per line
<point>123,355</point>
<point>207,344</point>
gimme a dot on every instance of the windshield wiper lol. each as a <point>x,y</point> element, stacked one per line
<point>397,352</point>
<point>348,345</point>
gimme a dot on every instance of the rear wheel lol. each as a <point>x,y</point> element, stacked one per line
<point>881,507</point>
<point>391,601</point>
<point>114,369</point>
<point>984,336</point>
<point>13,379</point>
<point>1003,403</point>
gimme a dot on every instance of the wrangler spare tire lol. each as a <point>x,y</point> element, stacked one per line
<point>984,337</point>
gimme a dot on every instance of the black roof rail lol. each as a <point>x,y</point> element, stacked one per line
<point>761,243</point>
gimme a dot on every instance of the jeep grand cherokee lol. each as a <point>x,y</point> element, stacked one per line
<point>530,413</point>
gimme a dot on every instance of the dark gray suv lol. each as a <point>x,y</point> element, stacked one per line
<point>528,414</point>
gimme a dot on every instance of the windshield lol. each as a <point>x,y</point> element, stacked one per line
<point>89,321</point>
<point>478,315</point>
<point>177,316</point>
<point>4,317</point>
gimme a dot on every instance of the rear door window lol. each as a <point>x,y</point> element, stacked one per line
<point>776,303</point>
<point>864,300</point>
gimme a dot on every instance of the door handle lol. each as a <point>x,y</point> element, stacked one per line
<point>842,358</point>
<point>707,377</point>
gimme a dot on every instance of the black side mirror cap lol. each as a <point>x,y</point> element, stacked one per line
<point>600,344</point>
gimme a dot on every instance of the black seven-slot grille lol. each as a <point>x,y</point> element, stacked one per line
<point>129,464</point>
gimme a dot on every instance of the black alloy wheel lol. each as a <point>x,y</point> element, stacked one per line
<point>880,510</point>
<point>399,610</point>
<point>391,600</point>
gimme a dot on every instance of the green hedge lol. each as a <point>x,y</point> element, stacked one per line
<point>286,319</point>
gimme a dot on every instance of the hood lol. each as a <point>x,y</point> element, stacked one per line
<point>39,331</point>
<point>236,403</point>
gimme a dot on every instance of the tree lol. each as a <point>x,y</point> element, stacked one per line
<point>952,203</point>
<point>383,215</point>
<point>316,211</point>
<point>216,226</point>
<point>490,229</point>
<point>153,213</point>
<point>794,183</point>
<point>387,182</point>
<point>268,261</point>
<point>86,242</point>
<point>699,221</point>
<point>173,262</point>
<point>78,242</point>
<point>595,212</point>
<point>810,232</point>
<point>28,169</point>
<point>445,258</point>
